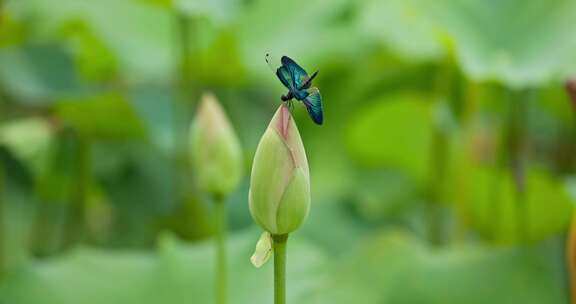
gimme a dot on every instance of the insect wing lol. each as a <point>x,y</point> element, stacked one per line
<point>298,74</point>
<point>285,77</point>
<point>313,103</point>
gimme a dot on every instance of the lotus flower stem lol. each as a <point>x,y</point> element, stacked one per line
<point>184,100</point>
<point>280,241</point>
<point>438,178</point>
<point>515,146</point>
<point>438,155</point>
<point>216,155</point>
<point>221,284</point>
<point>279,196</point>
<point>76,228</point>
<point>2,230</point>
<point>471,104</point>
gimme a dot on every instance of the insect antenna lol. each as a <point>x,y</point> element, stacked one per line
<point>268,59</point>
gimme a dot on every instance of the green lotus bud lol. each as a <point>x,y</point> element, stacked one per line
<point>279,194</point>
<point>216,154</point>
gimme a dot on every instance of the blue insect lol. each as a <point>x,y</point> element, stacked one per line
<point>299,86</point>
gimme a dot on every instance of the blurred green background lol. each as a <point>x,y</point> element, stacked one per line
<point>443,172</point>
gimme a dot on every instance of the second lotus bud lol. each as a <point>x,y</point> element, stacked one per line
<point>215,151</point>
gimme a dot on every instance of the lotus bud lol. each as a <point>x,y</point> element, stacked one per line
<point>215,151</point>
<point>279,194</point>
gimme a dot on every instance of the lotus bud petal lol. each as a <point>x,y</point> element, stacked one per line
<point>279,194</point>
<point>263,250</point>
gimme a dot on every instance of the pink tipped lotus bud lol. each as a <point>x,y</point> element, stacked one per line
<point>279,195</point>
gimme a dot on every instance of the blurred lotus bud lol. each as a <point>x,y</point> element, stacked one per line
<point>215,151</point>
<point>571,89</point>
<point>279,195</point>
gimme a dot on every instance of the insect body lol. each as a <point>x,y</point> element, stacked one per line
<point>299,86</point>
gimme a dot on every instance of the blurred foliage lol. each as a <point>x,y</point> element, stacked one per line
<point>446,124</point>
<point>519,43</point>
<point>105,117</point>
<point>178,272</point>
<point>407,141</point>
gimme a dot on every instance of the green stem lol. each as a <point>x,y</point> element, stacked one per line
<point>75,225</point>
<point>438,155</point>
<point>181,101</point>
<point>438,166</point>
<point>280,268</point>
<point>185,84</point>
<point>184,48</point>
<point>2,230</point>
<point>512,156</point>
<point>522,102</point>
<point>3,226</point>
<point>470,107</point>
<point>2,14</point>
<point>84,182</point>
<point>221,283</point>
<point>501,161</point>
